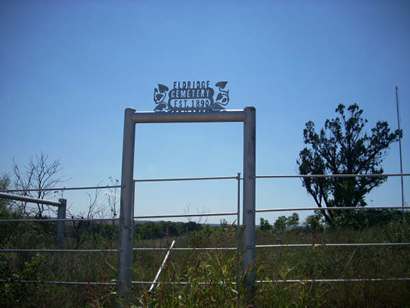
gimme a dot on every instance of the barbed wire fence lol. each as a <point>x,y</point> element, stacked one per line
<point>61,220</point>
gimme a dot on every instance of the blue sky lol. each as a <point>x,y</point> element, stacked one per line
<point>70,68</point>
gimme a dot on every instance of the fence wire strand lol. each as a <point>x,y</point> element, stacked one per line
<point>206,283</point>
<point>297,245</point>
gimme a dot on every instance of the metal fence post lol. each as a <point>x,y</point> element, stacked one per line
<point>61,214</point>
<point>249,203</point>
<point>127,207</point>
<point>238,236</point>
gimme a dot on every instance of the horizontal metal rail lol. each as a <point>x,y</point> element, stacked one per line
<point>186,248</point>
<point>331,208</point>
<point>206,214</point>
<point>177,179</point>
<point>63,188</point>
<point>113,250</point>
<point>141,282</point>
<point>339,175</point>
<point>313,245</point>
<point>294,209</point>
<point>187,215</point>
<point>336,280</point>
<point>56,282</point>
<point>180,179</point>
<point>56,219</point>
<point>209,178</point>
<point>28,199</point>
<point>189,117</point>
<point>45,250</point>
<point>114,219</point>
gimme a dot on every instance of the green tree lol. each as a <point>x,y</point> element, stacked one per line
<point>4,210</point>
<point>283,223</point>
<point>265,225</point>
<point>313,222</point>
<point>292,221</point>
<point>344,147</point>
<point>280,224</point>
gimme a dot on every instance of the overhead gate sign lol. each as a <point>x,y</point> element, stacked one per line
<point>191,96</point>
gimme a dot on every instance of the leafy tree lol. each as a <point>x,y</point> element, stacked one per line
<point>265,225</point>
<point>292,221</point>
<point>280,224</point>
<point>161,229</point>
<point>314,222</point>
<point>344,147</point>
<point>5,211</point>
<point>283,223</point>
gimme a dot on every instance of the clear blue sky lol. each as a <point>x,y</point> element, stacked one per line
<point>68,69</point>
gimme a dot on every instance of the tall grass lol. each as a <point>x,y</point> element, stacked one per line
<point>217,269</point>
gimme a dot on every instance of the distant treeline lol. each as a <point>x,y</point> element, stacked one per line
<point>352,219</point>
<point>80,230</point>
<point>160,229</point>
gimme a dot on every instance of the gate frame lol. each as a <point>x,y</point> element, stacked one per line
<point>248,117</point>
